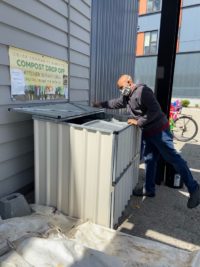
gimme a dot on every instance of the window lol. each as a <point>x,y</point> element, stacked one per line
<point>150,42</point>
<point>153,5</point>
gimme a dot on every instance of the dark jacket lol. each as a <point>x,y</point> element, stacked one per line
<point>142,106</point>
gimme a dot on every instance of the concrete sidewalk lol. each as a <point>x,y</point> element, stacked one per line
<point>166,218</point>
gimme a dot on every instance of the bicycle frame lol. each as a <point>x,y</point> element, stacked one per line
<point>175,111</point>
<point>181,125</point>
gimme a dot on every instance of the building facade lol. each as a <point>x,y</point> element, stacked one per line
<point>67,32</point>
<point>187,66</point>
<point>56,29</point>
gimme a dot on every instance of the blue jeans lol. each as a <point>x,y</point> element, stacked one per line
<point>162,144</point>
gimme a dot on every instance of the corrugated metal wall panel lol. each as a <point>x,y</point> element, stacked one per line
<point>40,26</point>
<point>40,161</point>
<point>76,178</point>
<point>63,168</point>
<point>85,198</point>
<point>114,27</point>
<point>125,150</point>
<point>124,191</point>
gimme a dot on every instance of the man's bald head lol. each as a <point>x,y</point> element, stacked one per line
<point>124,80</point>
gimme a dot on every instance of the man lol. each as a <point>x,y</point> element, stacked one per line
<point>146,113</point>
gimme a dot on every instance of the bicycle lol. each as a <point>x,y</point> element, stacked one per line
<point>183,127</point>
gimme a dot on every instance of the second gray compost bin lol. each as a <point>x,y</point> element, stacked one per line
<point>86,163</point>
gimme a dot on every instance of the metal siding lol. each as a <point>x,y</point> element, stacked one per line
<point>4,55</point>
<point>4,75</point>
<point>16,148</point>
<point>27,41</point>
<point>76,81</point>
<point>79,71</point>
<point>16,182</point>
<point>149,23</point>
<point>40,26</point>
<point>24,22</point>
<point>83,48</point>
<point>186,74</point>
<point>15,131</point>
<point>123,193</point>
<point>145,70</point>
<point>14,166</point>
<point>80,33</point>
<point>85,201</point>
<point>76,178</point>
<point>114,27</point>
<point>81,7</point>
<point>79,59</point>
<point>81,95</point>
<point>11,117</point>
<point>40,160</point>
<point>58,6</point>
<point>189,34</point>
<point>125,150</point>
<point>79,52</point>
<point>190,2</point>
<point>80,19</point>
<point>51,158</point>
<point>88,2</point>
<point>63,168</point>
<point>51,12</point>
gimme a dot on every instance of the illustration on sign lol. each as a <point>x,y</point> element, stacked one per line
<point>37,77</point>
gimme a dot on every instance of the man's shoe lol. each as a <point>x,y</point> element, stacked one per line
<point>194,199</point>
<point>141,192</point>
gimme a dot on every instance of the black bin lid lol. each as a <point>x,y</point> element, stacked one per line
<point>58,112</point>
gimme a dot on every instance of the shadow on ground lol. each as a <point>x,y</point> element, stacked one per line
<point>166,217</point>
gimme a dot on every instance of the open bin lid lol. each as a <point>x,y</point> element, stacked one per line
<point>58,112</point>
<point>110,126</point>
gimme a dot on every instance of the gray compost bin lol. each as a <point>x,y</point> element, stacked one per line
<point>86,162</point>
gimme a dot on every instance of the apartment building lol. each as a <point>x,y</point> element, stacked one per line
<point>187,67</point>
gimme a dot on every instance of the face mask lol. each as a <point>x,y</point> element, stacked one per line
<point>126,91</point>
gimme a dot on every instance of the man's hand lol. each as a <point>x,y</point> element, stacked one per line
<point>96,104</point>
<point>132,122</point>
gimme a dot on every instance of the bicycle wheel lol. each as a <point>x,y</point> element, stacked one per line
<point>185,128</point>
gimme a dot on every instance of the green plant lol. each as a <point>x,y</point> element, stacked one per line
<point>196,105</point>
<point>185,103</point>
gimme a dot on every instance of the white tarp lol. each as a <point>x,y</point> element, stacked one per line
<point>48,238</point>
